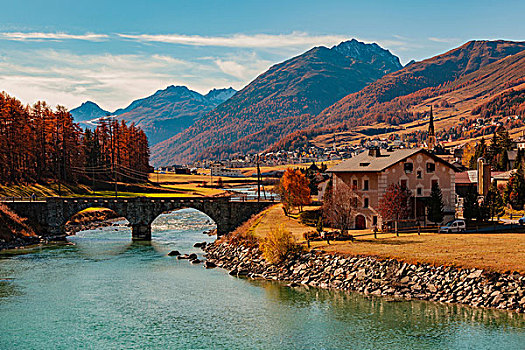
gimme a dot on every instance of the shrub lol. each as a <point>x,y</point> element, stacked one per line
<point>312,235</point>
<point>310,217</point>
<point>277,245</point>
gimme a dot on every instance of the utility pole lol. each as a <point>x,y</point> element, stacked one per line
<point>112,133</point>
<point>258,180</point>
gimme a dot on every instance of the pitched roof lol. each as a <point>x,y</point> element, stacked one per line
<point>364,162</point>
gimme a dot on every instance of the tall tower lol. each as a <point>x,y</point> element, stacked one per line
<point>431,141</point>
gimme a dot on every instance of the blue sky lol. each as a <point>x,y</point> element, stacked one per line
<point>112,52</point>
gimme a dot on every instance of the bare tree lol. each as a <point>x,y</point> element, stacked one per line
<point>339,204</point>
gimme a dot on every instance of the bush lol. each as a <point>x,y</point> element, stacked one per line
<point>277,245</point>
<point>310,217</point>
<point>312,235</point>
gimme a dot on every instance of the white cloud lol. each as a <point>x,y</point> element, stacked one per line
<point>113,81</point>
<point>444,40</point>
<point>40,36</point>
<point>241,40</point>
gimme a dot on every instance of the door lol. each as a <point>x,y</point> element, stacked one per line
<point>360,222</point>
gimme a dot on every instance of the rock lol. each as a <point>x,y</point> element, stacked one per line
<point>195,261</point>
<point>183,256</point>
<point>475,274</point>
<point>174,253</point>
<point>209,264</point>
<point>431,288</point>
<point>292,285</point>
<point>233,272</point>
<point>192,256</point>
<point>200,245</point>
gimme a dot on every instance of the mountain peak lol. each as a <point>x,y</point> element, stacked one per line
<point>220,95</point>
<point>369,53</point>
<point>86,111</point>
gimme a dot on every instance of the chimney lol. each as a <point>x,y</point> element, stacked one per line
<point>484,177</point>
<point>374,152</point>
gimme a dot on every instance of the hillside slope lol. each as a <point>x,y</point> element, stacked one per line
<point>172,110</point>
<point>279,101</point>
<point>368,105</point>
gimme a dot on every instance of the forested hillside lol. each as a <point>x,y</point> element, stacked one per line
<point>279,101</point>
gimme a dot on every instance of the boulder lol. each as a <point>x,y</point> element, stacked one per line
<point>195,261</point>
<point>174,253</point>
<point>209,265</point>
<point>183,256</point>
<point>192,256</point>
<point>200,245</point>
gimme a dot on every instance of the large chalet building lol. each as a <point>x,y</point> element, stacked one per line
<point>370,173</point>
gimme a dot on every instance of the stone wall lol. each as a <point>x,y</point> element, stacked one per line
<point>372,276</point>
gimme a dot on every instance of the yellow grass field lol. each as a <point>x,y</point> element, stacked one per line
<point>496,252</point>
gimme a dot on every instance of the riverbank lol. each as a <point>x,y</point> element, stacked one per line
<point>15,232</point>
<point>390,278</point>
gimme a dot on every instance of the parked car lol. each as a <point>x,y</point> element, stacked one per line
<point>521,220</point>
<point>454,226</point>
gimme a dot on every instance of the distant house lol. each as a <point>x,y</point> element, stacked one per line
<point>370,173</point>
<point>520,142</point>
<point>218,169</point>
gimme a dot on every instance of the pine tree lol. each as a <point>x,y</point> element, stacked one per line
<point>493,203</point>
<point>514,193</point>
<point>470,205</point>
<point>435,205</point>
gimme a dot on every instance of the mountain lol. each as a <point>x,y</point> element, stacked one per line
<point>280,101</point>
<point>169,111</point>
<point>88,111</point>
<point>163,114</point>
<point>373,102</point>
<point>455,83</point>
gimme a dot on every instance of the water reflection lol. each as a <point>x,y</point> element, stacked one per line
<point>388,312</point>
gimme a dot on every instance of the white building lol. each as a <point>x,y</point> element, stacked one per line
<point>218,169</point>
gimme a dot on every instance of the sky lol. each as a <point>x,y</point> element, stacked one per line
<point>113,52</point>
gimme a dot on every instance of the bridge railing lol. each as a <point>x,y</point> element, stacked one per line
<point>22,199</point>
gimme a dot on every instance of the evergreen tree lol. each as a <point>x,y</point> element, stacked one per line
<point>470,205</point>
<point>503,161</point>
<point>514,193</point>
<point>493,203</point>
<point>480,152</point>
<point>435,204</point>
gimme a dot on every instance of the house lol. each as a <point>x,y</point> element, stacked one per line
<point>218,169</point>
<point>370,173</point>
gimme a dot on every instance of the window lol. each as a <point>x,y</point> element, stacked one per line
<point>419,191</point>
<point>365,203</point>
<point>403,184</point>
<point>355,202</point>
<point>354,184</point>
<point>419,174</point>
<point>409,167</point>
<point>431,167</point>
<point>374,220</point>
<point>434,183</point>
<point>365,185</point>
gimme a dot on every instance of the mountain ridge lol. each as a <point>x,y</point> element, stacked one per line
<point>283,96</point>
<point>165,112</point>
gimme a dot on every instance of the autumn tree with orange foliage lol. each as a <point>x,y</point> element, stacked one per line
<point>293,190</point>
<point>39,144</point>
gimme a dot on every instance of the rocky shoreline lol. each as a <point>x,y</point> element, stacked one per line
<point>389,278</point>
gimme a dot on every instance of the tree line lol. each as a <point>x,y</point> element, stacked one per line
<point>39,144</point>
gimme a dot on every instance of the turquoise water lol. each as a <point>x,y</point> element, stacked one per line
<point>104,292</point>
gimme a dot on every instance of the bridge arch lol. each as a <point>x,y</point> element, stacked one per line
<point>139,211</point>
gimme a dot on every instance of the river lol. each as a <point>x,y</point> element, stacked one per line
<point>105,292</point>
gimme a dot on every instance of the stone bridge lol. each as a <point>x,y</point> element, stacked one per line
<point>53,213</point>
